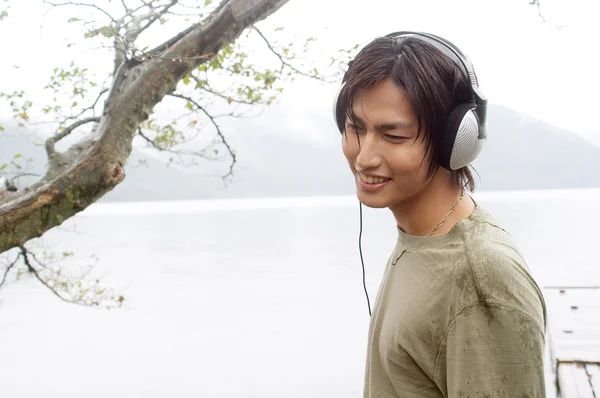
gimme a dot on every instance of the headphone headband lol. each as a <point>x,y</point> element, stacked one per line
<point>461,60</point>
<point>465,130</point>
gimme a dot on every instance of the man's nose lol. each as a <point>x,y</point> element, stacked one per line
<point>369,156</point>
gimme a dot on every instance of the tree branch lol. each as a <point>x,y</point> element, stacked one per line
<point>537,4</point>
<point>8,270</point>
<point>70,3</point>
<point>177,153</point>
<point>284,62</point>
<point>149,140</point>
<point>94,166</point>
<point>220,95</point>
<point>50,142</point>
<point>24,175</point>
<point>219,132</point>
<point>153,17</point>
<point>91,107</point>
<point>75,290</point>
<point>37,276</point>
<point>125,6</point>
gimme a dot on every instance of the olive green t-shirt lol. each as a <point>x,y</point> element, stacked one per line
<point>457,315</point>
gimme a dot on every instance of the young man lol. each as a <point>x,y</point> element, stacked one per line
<point>458,313</point>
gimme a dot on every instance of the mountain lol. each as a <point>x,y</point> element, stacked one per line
<point>525,153</point>
<point>289,152</point>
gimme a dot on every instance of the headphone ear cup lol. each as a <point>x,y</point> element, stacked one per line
<point>461,144</point>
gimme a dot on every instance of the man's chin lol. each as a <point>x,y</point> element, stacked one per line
<point>372,201</point>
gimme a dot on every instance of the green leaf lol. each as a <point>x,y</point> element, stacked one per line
<point>74,20</point>
<point>189,106</point>
<point>2,167</point>
<point>17,156</point>
<point>207,2</point>
<point>186,79</point>
<point>1,128</point>
<point>3,15</point>
<point>107,31</point>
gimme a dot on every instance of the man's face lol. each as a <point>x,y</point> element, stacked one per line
<point>389,165</point>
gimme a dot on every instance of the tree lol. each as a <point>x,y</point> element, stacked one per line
<point>199,65</point>
<point>196,66</point>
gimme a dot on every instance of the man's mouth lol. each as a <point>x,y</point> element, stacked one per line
<point>372,180</point>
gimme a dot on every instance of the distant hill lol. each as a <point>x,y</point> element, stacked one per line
<point>525,153</point>
<point>292,153</point>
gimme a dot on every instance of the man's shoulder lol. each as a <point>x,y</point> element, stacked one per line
<point>499,273</point>
<point>486,240</point>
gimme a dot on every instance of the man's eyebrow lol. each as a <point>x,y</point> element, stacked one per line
<point>397,125</point>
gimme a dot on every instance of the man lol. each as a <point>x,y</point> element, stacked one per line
<point>458,313</point>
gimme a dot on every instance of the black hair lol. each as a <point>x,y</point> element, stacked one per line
<point>433,83</point>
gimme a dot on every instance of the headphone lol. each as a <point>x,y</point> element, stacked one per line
<point>465,132</point>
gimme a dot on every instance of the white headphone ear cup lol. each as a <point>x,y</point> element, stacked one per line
<point>467,144</point>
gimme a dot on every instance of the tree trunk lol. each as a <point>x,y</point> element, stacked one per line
<point>80,176</point>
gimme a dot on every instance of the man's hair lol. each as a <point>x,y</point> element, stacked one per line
<point>433,83</point>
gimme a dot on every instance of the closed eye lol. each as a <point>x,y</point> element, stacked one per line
<point>394,137</point>
<point>353,127</point>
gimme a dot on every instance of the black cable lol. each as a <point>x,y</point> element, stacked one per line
<point>361,257</point>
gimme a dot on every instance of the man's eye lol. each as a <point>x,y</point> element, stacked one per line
<point>353,127</point>
<point>394,137</point>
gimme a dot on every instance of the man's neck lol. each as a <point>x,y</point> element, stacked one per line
<point>420,214</point>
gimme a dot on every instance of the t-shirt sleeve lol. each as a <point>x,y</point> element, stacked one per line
<point>493,351</point>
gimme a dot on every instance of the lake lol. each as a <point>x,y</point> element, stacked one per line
<point>242,297</point>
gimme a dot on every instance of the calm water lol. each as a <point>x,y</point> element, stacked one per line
<point>242,298</point>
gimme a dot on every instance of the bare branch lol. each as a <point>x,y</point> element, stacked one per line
<point>91,107</point>
<point>50,142</point>
<point>146,56</point>
<point>284,62</point>
<point>24,175</point>
<point>149,140</point>
<point>178,153</point>
<point>70,3</point>
<point>8,270</point>
<point>238,115</point>
<point>151,19</point>
<point>125,6</point>
<point>220,95</point>
<point>219,132</point>
<point>31,269</point>
<point>537,4</point>
<point>75,290</point>
<point>36,259</point>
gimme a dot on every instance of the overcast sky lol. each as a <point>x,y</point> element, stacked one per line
<point>522,62</point>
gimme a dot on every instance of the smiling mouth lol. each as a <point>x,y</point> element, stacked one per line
<point>372,180</point>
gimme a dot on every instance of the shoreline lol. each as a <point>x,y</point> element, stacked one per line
<point>190,206</point>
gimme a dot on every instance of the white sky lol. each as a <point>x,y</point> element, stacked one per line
<point>522,62</point>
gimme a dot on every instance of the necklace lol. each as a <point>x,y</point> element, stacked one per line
<point>448,215</point>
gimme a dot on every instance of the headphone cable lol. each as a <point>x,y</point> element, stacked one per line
<point>361,257</point>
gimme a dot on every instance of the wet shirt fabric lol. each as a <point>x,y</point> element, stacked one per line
<point>457,315</point>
